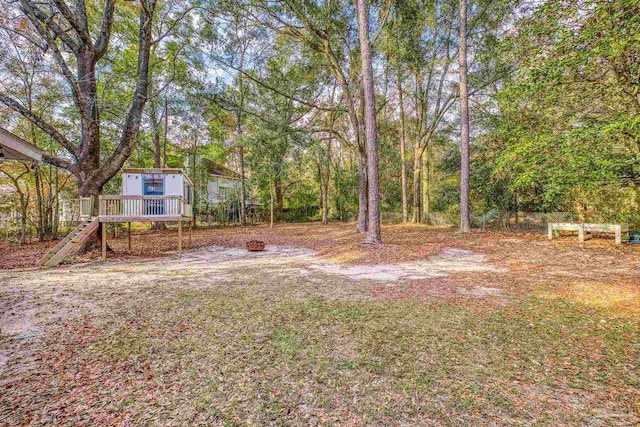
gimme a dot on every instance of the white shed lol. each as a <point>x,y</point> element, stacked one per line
<point>160,192</point>
<point>148,195</point>
<point>156,182</point>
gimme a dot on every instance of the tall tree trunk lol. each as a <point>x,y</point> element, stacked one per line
<point>363,199</point>
<point>427,189</point>
<point>465,222</point>
<point>324,170</point>
<point>271,185</point>
<point>194,178</point>
<point>403,160</point>
<point>39,203</point>
<point>243,198</point>
<point>38,176</point>
<point>165,130</point>
<point>363,193</point>
<point>325,204</point>
<point>325,187</point>
<point>157,156</point>
<point>157,149</point>
<point>417,181</point>
<point>24,211</point>
<point>23,198</point>
<point>373,233</point>
<point>49,203</point>
<point>56,208</point>
<point>358,131</point>
<point>279,198</point>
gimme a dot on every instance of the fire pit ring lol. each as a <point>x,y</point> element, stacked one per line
<point>255,245</point>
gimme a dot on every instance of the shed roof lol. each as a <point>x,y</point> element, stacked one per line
<point>165,171</point>
<point>217,169</point>
<point>15,148</point>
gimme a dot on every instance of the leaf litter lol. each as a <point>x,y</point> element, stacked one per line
<point>524,331</point>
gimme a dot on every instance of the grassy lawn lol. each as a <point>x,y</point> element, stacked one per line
<point>234,357</point>
<point>271,343</point>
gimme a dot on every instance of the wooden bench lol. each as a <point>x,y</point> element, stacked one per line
<point>554,229</point>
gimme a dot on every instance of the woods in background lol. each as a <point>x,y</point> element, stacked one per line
<point>415,111</point>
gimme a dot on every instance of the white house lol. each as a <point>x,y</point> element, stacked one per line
<point>223,184</point>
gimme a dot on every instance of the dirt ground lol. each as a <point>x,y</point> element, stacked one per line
<point>431,328</point>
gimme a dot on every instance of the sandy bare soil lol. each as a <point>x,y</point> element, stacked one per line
<point>37,298</point>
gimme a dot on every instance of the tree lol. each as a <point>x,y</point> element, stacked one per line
<point>565,134</point>
<point>327,29</point>
<point>16,176</point>
<point>425,33</point>
<point>371,126</point>
<point>465,223</point>
<point>65,33</point>
<point>403,143</point>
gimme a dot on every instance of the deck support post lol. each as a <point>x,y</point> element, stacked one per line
<point>104,241</point>
<point>179,237</point>
<point>550,231</point>
<point>129,235</point>
<point>618,231</point>
<point>581,232</point>
<point>190,233</point>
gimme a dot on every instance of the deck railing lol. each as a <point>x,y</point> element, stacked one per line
<point>144,206</point>
<point>85,207</point>
<point>188,210</point>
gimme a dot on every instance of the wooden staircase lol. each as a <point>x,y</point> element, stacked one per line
<point>65,246</point>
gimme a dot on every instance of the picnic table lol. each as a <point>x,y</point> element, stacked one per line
<point>554,229</point>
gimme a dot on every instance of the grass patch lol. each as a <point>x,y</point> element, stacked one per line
<point>287,342</point>
<point>398,360</point>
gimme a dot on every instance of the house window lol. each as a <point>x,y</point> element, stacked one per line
<point>153,185</point>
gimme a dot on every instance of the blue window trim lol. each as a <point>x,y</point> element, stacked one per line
<point>153,176</point>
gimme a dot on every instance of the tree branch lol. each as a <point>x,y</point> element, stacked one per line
<point>100,47</point>
<point>271,88</point>
<point>173,25</point>
<point>61,163</point>
<point>132,122</point>
<point>37,16</point>
<point>24,36</point>
<point>80,29</point>
<point>38,121</point>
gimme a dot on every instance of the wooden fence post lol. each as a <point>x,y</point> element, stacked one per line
<point>104,240</point>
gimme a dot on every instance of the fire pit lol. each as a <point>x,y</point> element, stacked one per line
<point>255,245</point>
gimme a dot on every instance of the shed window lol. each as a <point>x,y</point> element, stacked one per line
<point>153,185</point>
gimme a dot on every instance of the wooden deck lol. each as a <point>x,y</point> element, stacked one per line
<point>144,218</point>
<point>139,209</point>
<point>128,209</point>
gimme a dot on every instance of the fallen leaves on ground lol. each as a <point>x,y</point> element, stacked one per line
<point>552,339</point>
